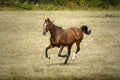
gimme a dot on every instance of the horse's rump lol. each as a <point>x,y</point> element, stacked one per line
<point>75,33</point>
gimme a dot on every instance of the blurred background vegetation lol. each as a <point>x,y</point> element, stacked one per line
<point>61,4</point>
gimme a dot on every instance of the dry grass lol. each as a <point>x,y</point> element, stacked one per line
<point>22,46</point>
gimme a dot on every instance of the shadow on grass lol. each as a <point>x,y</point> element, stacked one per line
<point>61,64</point>
<point>91,77</point>
<point>57,64</point>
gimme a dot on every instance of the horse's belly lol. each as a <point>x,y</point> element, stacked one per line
<point>57,44</point>
<point>65,43</point>
<point>70,42</point>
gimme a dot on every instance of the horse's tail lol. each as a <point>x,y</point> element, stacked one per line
<point>85,30</point>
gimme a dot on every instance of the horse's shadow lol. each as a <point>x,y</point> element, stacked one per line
<point>62,64</point>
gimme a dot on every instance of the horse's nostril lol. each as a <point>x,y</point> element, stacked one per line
<point>43,33</point>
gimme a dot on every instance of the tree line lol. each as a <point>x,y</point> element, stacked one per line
<point>70,4</point>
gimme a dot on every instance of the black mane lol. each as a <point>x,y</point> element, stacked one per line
<point>60,28</point>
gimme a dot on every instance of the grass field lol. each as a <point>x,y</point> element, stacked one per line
<point>22,46</point>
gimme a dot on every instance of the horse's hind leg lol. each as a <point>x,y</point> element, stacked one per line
<point>69,51</point>
<point>78,49</point>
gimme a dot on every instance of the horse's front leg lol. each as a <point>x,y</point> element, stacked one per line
<point>59,54</point>
<point>46,50</point>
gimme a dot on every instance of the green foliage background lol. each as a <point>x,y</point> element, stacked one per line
<point>61,4</point>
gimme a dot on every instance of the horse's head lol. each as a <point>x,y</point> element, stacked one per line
<point>47,26</point>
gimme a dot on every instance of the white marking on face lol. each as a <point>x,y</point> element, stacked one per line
<point>74,56</point>
<point>45,24</point>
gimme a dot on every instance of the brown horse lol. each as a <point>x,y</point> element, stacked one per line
<point>64,37</point>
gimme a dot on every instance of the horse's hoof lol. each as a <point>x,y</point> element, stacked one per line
<point>48,57</point>
<point>64,63</point>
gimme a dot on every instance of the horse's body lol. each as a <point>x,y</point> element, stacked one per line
<point>64,37</point>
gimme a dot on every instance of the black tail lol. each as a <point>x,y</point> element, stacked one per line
<point>85,30</point>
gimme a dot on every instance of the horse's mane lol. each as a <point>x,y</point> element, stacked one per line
<point>60,28</point>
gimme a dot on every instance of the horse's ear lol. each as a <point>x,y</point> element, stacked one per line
<point>48,19</point>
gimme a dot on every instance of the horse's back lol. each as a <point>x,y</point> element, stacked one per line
<point>75,31</point>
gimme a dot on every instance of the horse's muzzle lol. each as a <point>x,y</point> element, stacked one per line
<point>44,32</point>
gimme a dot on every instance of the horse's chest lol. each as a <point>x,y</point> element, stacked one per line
<point>53,41</point>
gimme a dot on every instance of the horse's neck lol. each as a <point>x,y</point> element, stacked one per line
<point>55,31</point>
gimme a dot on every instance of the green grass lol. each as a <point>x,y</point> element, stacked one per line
<point>22,46</point>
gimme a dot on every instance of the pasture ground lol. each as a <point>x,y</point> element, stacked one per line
<point>22,46</point>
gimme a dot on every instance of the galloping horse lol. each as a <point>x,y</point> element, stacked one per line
<point>64,37</point>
